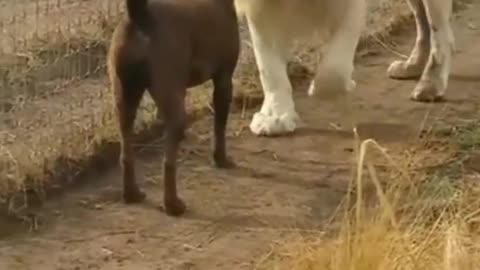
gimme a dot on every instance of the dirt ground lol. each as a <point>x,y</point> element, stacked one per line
<point>281,184</point>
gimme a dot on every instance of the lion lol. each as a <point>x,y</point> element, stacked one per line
<point>275,24</point>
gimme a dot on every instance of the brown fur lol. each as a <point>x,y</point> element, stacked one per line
<point>165,47</point>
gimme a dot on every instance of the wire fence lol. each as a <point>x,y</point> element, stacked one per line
<point>52,83</point>
<point>45,40</point>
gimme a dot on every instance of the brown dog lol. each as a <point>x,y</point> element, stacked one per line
<point>167,46</point>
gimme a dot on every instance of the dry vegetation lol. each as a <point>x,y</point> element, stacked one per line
<point>418,211</point>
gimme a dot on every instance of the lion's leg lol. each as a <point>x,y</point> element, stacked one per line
<point>334,73</point>
<point>413,67</point>
<point>434,80</point>
<point>277,115</point>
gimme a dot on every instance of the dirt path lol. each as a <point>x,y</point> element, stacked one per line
<point>234,215</point>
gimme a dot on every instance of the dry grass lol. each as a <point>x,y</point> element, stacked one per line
<point>56,110</point>
<point>416,218</point>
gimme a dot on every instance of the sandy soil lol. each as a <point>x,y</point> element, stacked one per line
<point>233,216</point>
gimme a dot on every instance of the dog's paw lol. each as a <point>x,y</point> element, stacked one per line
<point>133,195</point>
<point>224,163</point>
<point>175,207</point>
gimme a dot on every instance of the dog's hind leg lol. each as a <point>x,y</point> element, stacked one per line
<point>222,97</point>
<point>127,99</point>
<point>169,92</point>
<point>413,67</point>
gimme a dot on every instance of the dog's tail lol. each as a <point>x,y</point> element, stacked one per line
<point>138,13</point>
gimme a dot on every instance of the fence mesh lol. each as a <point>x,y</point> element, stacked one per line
<point>53,98</point>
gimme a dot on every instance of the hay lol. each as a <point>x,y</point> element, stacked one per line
<point>397,231</point>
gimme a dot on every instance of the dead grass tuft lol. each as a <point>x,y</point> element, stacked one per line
<point>415,218</point>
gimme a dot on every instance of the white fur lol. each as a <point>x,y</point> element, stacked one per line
<point>274,25</point>
<point>335,71</point>
<point>277,115</point>
<point>330,93</point>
